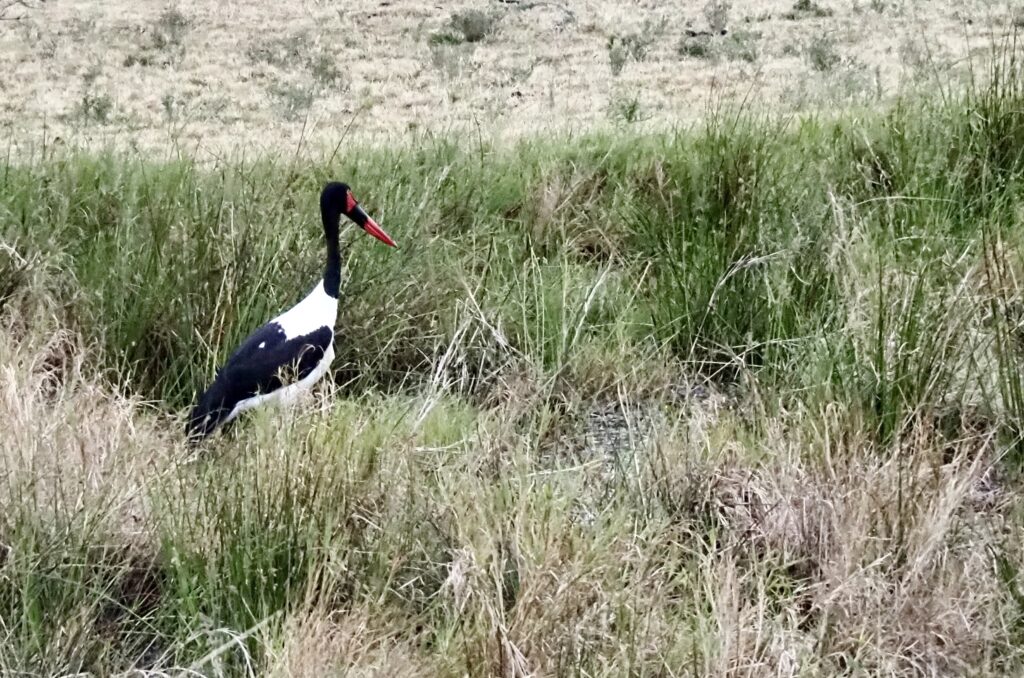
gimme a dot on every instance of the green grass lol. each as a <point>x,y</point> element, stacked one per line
<point>847,290</point>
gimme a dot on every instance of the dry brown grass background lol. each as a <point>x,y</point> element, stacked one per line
<point>224,75</point>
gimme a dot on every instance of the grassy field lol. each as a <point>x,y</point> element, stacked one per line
<point>741,399</point>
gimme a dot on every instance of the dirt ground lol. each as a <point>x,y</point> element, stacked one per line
<point>211,76</point>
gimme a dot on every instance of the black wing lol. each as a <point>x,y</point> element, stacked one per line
<point>256,367</point>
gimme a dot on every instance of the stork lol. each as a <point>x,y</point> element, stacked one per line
<point>288,355</point>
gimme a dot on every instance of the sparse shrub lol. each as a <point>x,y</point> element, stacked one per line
<point>716,12</point>
<point>169,103</point>
<point>298,52</point>
<point>696,46</point>
<point>470,26</point>
<point>741,46</point>
<point>96,107</point>
<point>137,59</point>
<point>91,74</point>
<point>637,44</point>
<point>474,24</point>
<point>807,9</point>
<point>170,29</point>
<point>166,44</point>
<point>622,48</point>
<point>811,7</point>
<point>737,46</point>
<point>324,69</point>
<point>822,54</point>
<point>293,101</point>
<point>627,109</point>
<point>287,51</point>
<point>617,55</point>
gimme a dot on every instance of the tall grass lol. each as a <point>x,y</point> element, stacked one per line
<point>797,345</point>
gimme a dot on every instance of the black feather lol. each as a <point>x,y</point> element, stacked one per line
<point>252,370</point>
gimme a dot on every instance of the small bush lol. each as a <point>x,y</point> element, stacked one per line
<point>166,45</point>
<point>622,48</point>
<point>627,109</point>
<point>738,46</point>
<point>324,69</point>
<point>297,52</point>
<point>822,54</point>
<point>617,55</point>
<point>474,24</point>
<point>716,12</point>
<point>741,46</point>
<point>169,104</point>
<point>96,107</point>
<point>696,46</point>
<point>807,9</point>
<point>170,29</point>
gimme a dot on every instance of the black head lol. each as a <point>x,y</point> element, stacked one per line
<point>336,199</point>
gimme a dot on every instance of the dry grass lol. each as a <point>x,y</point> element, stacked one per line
<point>183,75</point>
<point>357,643</point>
<point>803,550</point>
<point>71,442</point>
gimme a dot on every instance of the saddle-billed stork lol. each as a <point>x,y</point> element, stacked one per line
<point>289,354</point>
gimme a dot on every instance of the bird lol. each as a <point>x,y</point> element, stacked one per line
<point>286,356</point>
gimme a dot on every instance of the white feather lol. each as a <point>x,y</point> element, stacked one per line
<point>317,310</point>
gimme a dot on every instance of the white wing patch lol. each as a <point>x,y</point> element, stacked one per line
<point>263,344</point>
<point>317,310</point>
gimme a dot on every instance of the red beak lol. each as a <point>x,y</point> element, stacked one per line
<point>356,214</point>
<point>377,232</point>
<point>362,219</point>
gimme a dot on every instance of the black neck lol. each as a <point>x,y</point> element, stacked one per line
<point>332,272</point>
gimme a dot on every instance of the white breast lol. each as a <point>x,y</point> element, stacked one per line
<point>317,310</point>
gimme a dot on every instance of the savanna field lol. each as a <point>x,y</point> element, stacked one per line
<point>733,390</point>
